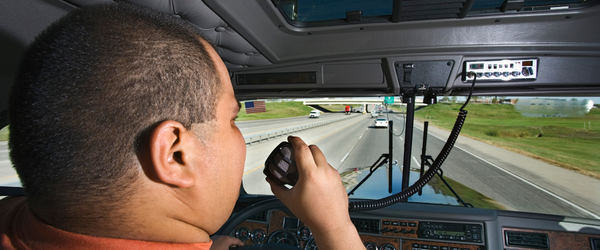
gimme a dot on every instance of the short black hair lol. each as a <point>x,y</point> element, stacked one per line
<point>89,90</point>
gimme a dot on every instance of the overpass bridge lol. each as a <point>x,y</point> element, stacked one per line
<point>316,103</point>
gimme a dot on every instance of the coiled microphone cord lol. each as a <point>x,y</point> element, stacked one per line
<point>367,205</point>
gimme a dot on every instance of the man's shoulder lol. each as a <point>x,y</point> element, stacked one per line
<point>19,227</point>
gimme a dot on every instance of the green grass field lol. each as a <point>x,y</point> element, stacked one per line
<point>276,110</point>
<point>4,134</point>
<point>561,141</point>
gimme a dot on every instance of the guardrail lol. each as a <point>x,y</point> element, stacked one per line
<point>280,132</point>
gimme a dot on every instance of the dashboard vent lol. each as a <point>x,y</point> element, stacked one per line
<point>366,226</point>
<point>525,239</point>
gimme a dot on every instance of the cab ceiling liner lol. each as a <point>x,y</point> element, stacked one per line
<point>235,51</point>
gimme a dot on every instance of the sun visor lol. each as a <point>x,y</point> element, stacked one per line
<point>355,78</point>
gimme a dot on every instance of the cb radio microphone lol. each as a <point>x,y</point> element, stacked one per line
<point>280,166</point>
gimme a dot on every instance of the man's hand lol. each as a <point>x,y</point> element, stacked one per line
<point>319,199</point>
<point>223,242</point>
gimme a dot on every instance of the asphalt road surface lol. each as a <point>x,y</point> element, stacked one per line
<point>515,181</point>
<point>8,176</point>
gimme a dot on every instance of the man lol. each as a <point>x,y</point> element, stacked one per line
<point>123,135</point>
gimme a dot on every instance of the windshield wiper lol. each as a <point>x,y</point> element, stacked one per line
<point>428,160</point>
<point>430,94</point>
<point>384,158</point>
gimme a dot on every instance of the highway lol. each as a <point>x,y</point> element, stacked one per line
<point>514,181</point>
<point>496,173</point>
<point>8,176</point>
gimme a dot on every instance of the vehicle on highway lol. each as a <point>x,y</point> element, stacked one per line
<point>374,114</point>
<point>381,123</point>
<point>358,109</point>
<point>509,184</point>
<point>314,114</point>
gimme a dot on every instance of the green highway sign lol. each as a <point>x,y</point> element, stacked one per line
<point>388,100</point>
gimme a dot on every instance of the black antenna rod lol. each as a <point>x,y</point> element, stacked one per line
<point>391,149</point>
<point>410,119</point>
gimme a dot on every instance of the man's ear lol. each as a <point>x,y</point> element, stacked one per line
<point>169,146</point>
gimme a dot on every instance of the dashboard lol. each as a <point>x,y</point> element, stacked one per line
<point>408,226</point>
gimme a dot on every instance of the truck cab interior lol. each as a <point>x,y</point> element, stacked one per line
<point>415,51</point>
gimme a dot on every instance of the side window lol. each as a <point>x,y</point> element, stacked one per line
<point>4,134</point>
<point>8,176</point>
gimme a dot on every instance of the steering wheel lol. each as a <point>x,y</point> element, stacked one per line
<point>241,216</point>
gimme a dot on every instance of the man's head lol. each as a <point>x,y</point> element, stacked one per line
<point>92,92</point>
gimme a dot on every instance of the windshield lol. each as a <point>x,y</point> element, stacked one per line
<point>525,154</point>
<point>511,155</point>
<point>8,176</point>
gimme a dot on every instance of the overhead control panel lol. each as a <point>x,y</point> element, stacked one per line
<point>431,75</point>
<point>501,70</point>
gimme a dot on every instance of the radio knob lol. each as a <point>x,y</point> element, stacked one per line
<point>487,74</point>
<point>530,70</point>
<point>496,74</point>
<point>505,74</point>
<point>516,73</point>
<point>525,72</point>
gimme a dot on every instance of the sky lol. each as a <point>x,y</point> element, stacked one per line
<point>595,99</point>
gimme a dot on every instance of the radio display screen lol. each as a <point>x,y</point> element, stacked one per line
<point>448,233</point>
<point>451,231</point>
<point>477,66</point>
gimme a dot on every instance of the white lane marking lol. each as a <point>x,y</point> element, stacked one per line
<point>347,154</point>
<point>343,159</point>
<point>535,186</point>
<point>415,159</point>
<point>526,181</point>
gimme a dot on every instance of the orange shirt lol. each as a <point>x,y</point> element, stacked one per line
<point>21,229</point>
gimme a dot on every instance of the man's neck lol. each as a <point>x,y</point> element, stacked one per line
<point>148,221</point>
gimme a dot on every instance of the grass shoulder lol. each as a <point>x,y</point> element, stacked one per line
<point>560,141</point>
<point>4,134</point>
